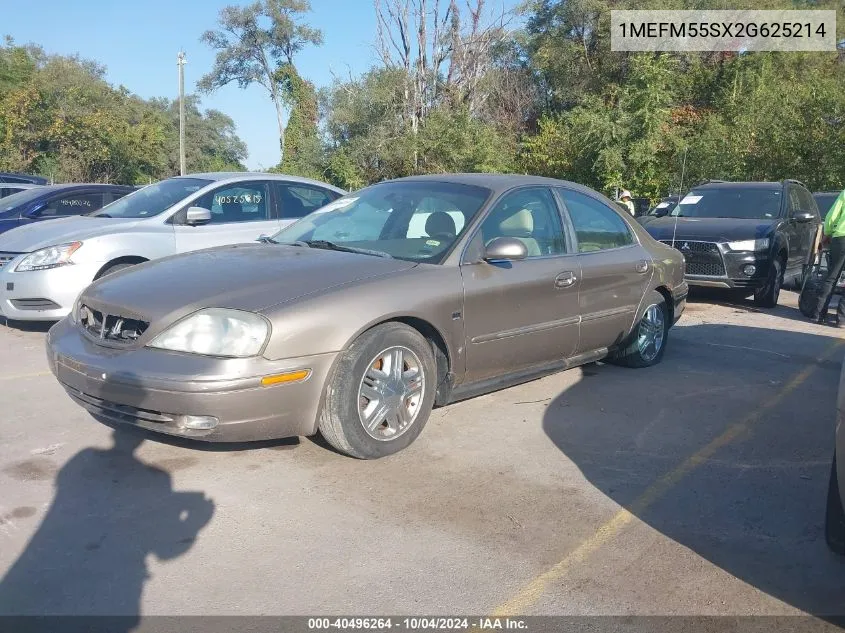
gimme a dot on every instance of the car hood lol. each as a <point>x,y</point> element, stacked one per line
<point>249,277</point>
<point>709,229</point>
<point>31,237</point>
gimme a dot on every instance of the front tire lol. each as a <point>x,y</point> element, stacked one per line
<point>767,296</point>
<point>113,269</point>
<point>834,525</point>
<point>647,342</point>
<point>381,392</point>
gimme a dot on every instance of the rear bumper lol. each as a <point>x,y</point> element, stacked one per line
<point>155,389</point>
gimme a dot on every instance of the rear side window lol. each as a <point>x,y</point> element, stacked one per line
<point>597,226</point>
<point>72,204</point>
<point>296,201</point>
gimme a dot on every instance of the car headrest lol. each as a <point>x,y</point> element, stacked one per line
<point>519,224</point>
<point>440,223</point>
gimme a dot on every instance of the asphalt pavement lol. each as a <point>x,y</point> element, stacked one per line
<point>696,487</point>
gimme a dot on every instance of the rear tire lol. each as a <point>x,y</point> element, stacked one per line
<point>834,525</point>
<point>767,296</point>
<point>401,394</point>
<point>647,342</point>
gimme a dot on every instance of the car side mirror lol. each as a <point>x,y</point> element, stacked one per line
<point>35,211</point>
<point>505,249</point>
<point>804,216</point>
<point>197,216</point>
<point>661,212</point>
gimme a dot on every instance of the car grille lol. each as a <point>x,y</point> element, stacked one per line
<point>119,412</point>
<point>701,258</point>
<point>6,257</point>
<point>110,327</point>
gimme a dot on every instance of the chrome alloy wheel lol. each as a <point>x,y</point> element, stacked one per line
<point>651,333</point>
<point>390,393</point>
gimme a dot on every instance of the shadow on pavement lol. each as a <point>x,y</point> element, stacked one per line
<point>755,506</point>
<point>27,326</point>
<point>109,513</point>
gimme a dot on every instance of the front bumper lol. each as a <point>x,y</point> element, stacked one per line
<point>712,265</point>
<point>43,295</point>
<point>154,389</point>
<point>679,296</point>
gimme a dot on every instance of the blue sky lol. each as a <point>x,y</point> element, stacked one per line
<point>138,43</point>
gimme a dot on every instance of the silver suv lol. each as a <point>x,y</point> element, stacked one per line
<point>45,266</point>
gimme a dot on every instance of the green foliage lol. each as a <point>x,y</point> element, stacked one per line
<point>303,152</point>
<point>60,118</point>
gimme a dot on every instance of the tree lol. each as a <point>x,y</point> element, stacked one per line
<point>252,42</point>
<point>60,118</point>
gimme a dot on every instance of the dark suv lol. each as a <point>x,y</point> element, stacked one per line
<point>748,236</point>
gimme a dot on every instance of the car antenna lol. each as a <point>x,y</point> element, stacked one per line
<point>680,193</point>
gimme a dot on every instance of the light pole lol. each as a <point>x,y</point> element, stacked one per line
<point>181,61</point>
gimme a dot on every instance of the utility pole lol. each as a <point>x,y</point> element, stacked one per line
<point>181,61</point>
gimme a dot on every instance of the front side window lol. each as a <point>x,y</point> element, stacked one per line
<point>72,204</point>
<point>751,203</point>
<point>597,226</point>
<point>531,216</point>
<point>152,199</point>
<point>413,220</point>
<point>240,202</point>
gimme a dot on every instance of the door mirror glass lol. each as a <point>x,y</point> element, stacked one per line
<point>197,216</point>
<point>505,249</point>
<point>804,216</point>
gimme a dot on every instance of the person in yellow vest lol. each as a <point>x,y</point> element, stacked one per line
<point>834,237</point>
<point>626,200</point>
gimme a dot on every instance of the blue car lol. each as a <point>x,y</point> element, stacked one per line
<point>56,201</point>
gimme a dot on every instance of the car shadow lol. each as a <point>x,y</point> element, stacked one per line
<point>724,448</point>
<point>743,304</point>
<point>27,326</point>
<point>109,512</point>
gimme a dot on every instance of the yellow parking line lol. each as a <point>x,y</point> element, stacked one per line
<point>533,591</point>
<point>32,375</point>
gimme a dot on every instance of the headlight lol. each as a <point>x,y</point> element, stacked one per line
<point>216,332</point>
<point>50,257</point>
<point>750,245</point>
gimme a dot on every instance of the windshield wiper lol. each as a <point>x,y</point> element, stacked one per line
<point>99,215</point>
<point>333,246</point>
<point>266,239</point>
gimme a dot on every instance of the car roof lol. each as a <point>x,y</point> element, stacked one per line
<point>248,175</point>
<point>495,182</point>
<point>78,185</point>
<point>720,184</point>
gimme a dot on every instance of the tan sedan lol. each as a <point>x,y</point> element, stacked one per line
<point>358,319</point>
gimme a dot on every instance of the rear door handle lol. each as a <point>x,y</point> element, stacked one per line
<point>565,279</point>
<point>642,266</point>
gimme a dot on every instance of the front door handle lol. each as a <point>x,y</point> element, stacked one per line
<point>565,279</point>
<point>642,266</point>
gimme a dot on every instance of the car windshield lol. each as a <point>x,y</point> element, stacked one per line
<point>730,202</point>
<point>9,205</point>
<point>152,199</point>
<point>825,202</point>
<point>412,220</point>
